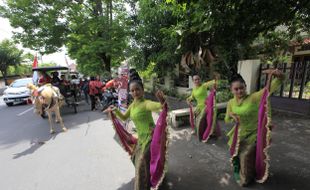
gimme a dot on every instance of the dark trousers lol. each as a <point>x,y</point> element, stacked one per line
<point>93,99</point>
<point>86,96</point>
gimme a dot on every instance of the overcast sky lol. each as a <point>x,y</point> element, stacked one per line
<point>6,33</point>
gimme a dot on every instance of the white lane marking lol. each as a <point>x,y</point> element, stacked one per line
<point>25,111</point>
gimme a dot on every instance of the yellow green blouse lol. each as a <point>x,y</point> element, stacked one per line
<point>247,110</point>
<point>200,93</point>
<point>140,112</point>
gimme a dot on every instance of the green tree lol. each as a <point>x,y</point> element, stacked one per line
<point>94,31</point>
<point>153,39</point>
<point>229,28</point>
<point>28,58</point>
<point>9,55</point>
<point>21,70</point>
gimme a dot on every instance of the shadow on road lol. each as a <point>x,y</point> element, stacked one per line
<point>35,144</point>
<point>31,127</point>
<point>128,186</point>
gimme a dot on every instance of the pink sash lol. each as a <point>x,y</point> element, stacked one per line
<point>207,125</point>
<point>263,139</point>
<point>212,125</point>
<point>127,140</point>
<point>159,150</point>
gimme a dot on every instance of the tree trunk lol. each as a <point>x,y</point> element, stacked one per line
<point>111,8</point>
<point>4,74</point>
<point>107,64</point>
<point>107,14</point>
<point>97,8</point>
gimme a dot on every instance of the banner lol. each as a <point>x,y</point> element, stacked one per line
<point>122,83</point>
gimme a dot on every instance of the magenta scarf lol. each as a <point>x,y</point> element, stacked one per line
<point>212,125</point>
<point>208,123</point>
<point>235,142</point>
<point>128,141</point>
<point>263,139</point>
<point>159,149</point>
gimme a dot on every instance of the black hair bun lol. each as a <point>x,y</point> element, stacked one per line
<point>134,76</point>
<point>132,71</point>
<point>194,73</point>
<point>137,81</point>
<point>236,77</point>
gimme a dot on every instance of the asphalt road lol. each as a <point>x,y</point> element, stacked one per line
<point>87,156</point>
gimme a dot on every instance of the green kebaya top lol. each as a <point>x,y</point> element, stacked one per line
<point>140,112</point>
<point>247,110</point>
<point>200,93</point>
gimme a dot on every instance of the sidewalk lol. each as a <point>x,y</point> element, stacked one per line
<point>199,166</point>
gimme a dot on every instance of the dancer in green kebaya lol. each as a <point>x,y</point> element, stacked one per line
<point>199,94</point>
<point>243,109</point>
<point>140,112</point>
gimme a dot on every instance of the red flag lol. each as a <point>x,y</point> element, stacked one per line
<point>35,62</point>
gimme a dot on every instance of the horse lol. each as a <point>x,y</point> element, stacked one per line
<point>49,99</point>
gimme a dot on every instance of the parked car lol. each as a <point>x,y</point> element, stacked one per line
<point>17,92</point>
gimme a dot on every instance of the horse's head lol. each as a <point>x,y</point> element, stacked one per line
<point>43,96</point>
<point>33,89</point>
<point>36,98</point>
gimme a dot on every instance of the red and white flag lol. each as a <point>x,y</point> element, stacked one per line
<point>35,76</point>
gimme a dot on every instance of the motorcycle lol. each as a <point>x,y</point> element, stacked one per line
<point>109,98</point>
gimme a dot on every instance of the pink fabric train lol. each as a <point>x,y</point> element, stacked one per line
<point>127,141</point>
<point>159,149</point>
<point>212,125</point>
<point>208,125</point>
<point>263,139</point>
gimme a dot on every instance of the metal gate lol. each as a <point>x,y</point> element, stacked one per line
<point>294,94</point>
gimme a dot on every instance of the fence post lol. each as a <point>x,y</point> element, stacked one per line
<point>293,79</point>
<point>282,86</point>
<point>304,73</point>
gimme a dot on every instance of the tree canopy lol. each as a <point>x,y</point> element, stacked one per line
<point>201,35</point>
<point>94,31</point>
<point>9,55</point>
